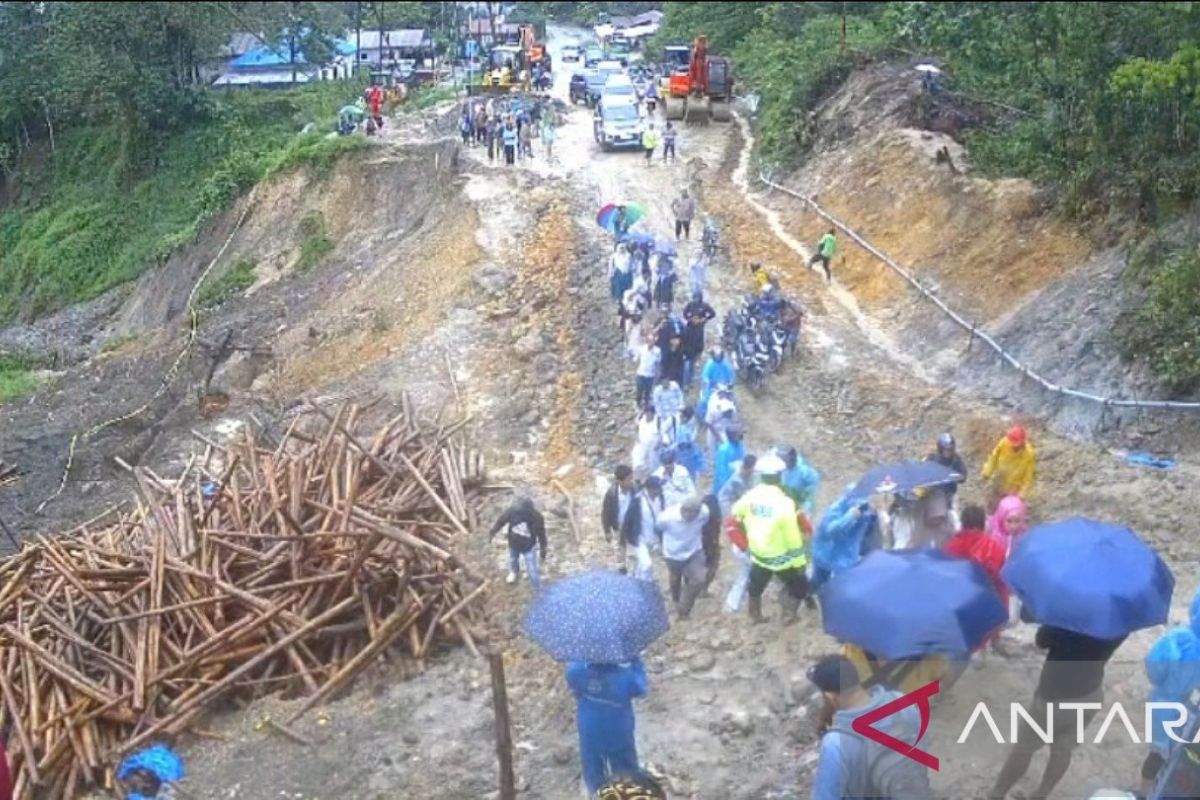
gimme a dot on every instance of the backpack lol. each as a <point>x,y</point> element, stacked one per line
<point>875,772</point>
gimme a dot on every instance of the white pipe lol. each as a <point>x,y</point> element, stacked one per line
<point>972,328</point>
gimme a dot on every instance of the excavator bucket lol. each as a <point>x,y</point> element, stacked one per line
<point>675,107</point>
<point>722,111</point>
<point>698,111</point>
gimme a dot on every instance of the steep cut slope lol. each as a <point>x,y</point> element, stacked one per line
<point>994,249</point>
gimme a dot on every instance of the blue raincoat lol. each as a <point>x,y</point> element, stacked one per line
<point>714,372</point>
<point>801,482</point>
<point>728,454</point>
<point>604,695</point>
<point>1173,668</point>
<point>838,541</point>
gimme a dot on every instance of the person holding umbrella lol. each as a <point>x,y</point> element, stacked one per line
<point>767,517</point>
<point>604,695</point>
<point>848,530</point>
<point>598,623</point>
<point>1089,584</point>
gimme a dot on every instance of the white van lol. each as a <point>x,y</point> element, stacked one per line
<point>618,123</point>
<point>618,85</point>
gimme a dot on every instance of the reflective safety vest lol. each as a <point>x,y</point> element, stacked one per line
<point>769,518</point>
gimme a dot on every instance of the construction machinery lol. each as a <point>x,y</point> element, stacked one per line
<point>702,90</point>
<point>535,52</point>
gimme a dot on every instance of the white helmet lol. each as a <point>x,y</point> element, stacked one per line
<point>770,464</point>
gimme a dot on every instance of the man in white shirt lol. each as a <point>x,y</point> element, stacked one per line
<point>647,370</point>
<point>720,416</point>
<point>682,530</point>
<point>668,398</point>
<point>677,484</point>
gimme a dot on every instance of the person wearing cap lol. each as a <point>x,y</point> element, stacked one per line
<point>850,764</point>
<point>681,529</point>
<point>743,479</point>
<point>1011,466</point>
<point>729,452</point>
<point>800,481</point>
<point>677,483</point>
<point>719,417</point>
<point>768,518</point>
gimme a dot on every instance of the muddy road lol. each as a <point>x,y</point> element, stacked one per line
<point>523,319</point>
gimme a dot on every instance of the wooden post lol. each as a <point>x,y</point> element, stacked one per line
<point>508,786</point>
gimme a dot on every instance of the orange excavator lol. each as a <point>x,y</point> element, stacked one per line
<point>702,91</point>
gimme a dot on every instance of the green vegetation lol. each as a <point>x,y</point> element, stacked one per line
<point>429,97</point>
<point>315,243</point>
<point>588,12</point>
<point>1165,330</point>
<point>237,278</point>
<point>82,226</point>
<point>16,379</point>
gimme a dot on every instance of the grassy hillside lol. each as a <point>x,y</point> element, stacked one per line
<point>81,220</point>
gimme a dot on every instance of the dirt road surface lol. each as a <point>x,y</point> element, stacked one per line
<point>538,353</point>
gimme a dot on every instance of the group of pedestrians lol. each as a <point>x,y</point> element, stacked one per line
<point>509,126</point>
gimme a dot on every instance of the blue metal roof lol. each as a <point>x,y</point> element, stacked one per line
<point>268,57</point>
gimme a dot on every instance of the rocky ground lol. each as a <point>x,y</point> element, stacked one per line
<point>502,283</point>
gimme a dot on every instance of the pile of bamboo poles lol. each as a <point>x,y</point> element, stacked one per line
<point>291,565</point>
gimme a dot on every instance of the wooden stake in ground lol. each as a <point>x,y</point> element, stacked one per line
<point>508,785</point>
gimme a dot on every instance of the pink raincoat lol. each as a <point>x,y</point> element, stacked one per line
<point>997,524</point>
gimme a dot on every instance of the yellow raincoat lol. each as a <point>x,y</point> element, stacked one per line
<point>903,676</point>
<point>768,517</point>
<point>1010,470</point>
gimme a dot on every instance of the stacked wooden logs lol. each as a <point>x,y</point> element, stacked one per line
<point>266,565</point>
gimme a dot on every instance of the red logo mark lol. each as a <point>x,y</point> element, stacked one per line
<point>865,725</point>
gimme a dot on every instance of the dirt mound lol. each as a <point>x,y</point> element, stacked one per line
<point>994,249</point>
<point>349,265</point>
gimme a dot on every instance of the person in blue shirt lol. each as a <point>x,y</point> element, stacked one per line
<point>800,481</point>
<point>1173,668</point>
<point>729,452</point>
<point>717,370</point>
<point>848,530</point>
<point>604,695</point>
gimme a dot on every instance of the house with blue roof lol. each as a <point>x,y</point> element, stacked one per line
<point>273,66</point>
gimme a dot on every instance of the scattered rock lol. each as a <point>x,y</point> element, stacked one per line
<point>702,662</point>
<point>411,738</point>
<point>563,756</point>
<point>529,346</point>
<point>494,279</point>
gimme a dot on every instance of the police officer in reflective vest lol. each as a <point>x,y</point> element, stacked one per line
<point>767,517</point>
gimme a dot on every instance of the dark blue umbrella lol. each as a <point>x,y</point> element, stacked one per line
<point>599,617</point>
<point>665,246</point>
<point>906,603</point>
<point>1089,577</point>
<point>904,477</point>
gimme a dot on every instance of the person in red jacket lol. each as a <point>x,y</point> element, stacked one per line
<point>974,544</point>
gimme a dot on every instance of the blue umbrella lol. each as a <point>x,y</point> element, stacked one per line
<point>906,603</point>
<point>599,617</point>
<point>904,477</point>
<point>665,246</point>
<point>638,237</point>
<point>1089,577</point>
